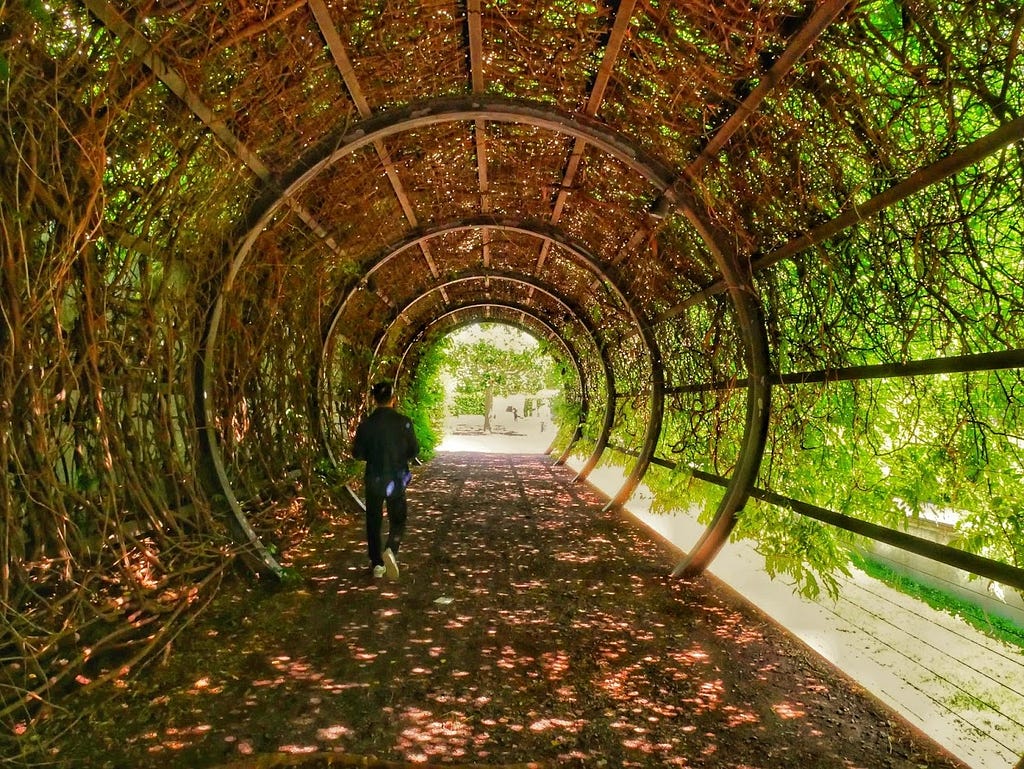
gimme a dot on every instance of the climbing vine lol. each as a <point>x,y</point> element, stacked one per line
<point>171,169</point>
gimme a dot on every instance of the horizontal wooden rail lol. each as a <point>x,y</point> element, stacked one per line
<point>1011,576</point>
<point>957,364</point>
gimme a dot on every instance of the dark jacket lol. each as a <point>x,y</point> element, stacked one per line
<point>387,442</point>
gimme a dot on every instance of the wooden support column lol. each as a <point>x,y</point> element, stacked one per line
<point>654,421</point>
<point>750,318</point>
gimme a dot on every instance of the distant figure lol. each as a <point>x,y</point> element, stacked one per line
<point>387,441</point>
<point>515,415</point>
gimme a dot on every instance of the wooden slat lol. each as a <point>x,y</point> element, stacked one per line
<point>611,54</point>
<point>805,38</point>
<point>798,46</point>
<point>348,74</point>
<point>340,55</point>
<point>143,49</point>
<point>474,22</point>
<point>976,151</point>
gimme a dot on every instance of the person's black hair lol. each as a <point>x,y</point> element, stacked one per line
<point>382,392</point>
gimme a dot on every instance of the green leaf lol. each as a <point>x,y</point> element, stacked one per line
<point>38,12</point>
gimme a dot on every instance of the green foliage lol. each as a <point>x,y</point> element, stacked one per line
<point>806,551</point>
<point>468,400</point>
<point>483,367</point>
<point>882,450</point>
<point>424,401</point>
<point>493,364</point>
<point>705,430</point>
<point>38,11</point>
<point>336,473</point>
<point>677,489</point>
<point>887,451</point>
<point>565,410</point>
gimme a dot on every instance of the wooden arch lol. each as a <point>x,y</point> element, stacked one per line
<point>459,109</point>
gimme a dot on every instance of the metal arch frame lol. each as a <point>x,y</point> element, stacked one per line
<point>534,229</point>
<point>453,109</point>
<point>212,472</point>
<point>575,312</point>
<point>570,352</point>
<point>419,236</point>
<point>423,331</point>
<point>437,111</point>
<point>487,222</point>
<point>525,311</point>
<point>477,274</point>
<point>750,318</point>
<point>652,431</point>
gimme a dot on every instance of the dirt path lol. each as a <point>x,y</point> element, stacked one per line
<point>528,625</point>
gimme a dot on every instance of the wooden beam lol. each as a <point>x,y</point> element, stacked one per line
<point>957,364</point>
<point>143,50</point>
<point>612,49</point>
<point>545,249</point>
<point>1001,572</point>
<point>340,55</point>
<point>623,15</point>
<point>480,138</point>
<point>355,91</point>
<point>485,247</point>
<point>976,151</point>
<point>348,74</point>
<point>474,24</point>
<point>824,15</point>
<point>485,239</point>
<point>429,258</point>
<point>448,110</point>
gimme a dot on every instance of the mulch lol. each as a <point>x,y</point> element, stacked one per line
<point>530,627</point>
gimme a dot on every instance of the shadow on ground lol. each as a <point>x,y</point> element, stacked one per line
<point>528,624</point>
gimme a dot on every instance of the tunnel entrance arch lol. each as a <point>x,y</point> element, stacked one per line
<point>437,111</point>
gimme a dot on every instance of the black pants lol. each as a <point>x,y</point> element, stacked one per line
<point>379,491</point>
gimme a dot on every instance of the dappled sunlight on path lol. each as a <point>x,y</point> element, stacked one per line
<point>528,624</point>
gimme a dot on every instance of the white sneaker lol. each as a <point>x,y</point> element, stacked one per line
<point>390,564</point>
<point>378,571</point>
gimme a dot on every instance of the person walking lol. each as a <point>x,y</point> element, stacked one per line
<point>386,441</point>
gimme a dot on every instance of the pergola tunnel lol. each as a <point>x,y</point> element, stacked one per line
<point>776,248</point>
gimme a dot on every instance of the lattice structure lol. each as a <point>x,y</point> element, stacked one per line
<point>779,241</point>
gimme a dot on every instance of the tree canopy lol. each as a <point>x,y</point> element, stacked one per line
<point>495,363</point>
